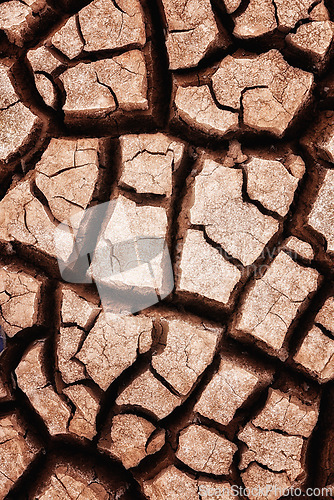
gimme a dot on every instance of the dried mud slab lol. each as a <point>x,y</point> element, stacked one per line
<point>273,301</point>
<point>18,124</point>
<point>166,241</point>
<point>131,438</point>
<point>284,424</point>
<point>192,32</point>
<point>18,450</point>
<point>20,300</point>
<point>21,21</point>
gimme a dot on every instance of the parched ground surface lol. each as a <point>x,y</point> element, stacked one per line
<point>211,123</point>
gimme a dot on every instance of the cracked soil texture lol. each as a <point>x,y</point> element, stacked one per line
<point>211,123</point>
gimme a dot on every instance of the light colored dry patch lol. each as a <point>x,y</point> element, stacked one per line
<point>189,350</point>
<point>111,346</point>
<point>149,162</point>
<point>75,309</point>
<point>46,89</point>
<point>131,439</point>
<point>93,86</point>
<point>135,238</point>
<point>258,19</point>
<point>270,183</point>
<point>321,217</point>
<point>196,107</point>
<point>289,13</point>
<point>231,5</point>
<point>24,219</point>
<point>173,484</point>
<point>67,174</point>
<point>69,340</point>
<point>234,155</point>
<point>270,91</point>
<point>80,314</point>
<point>205,451</point>
<point>278,452</point>
<point>17,122</point>
<point>275,452</point>
<point>87,406</point>
<point>68,40</point>
<point>295,165</point>
<point>313,38</point>
<point>272,302</point>
<point>326,315</point>
<point>229,388</point>
<point>316,355</point>
<point>239,227</point>
<point>205,271</point>
<point>67,484</point>
<point>41,59</point>
<point>13,20</point>
<point>299,247</point>
<point>17,452</point>
<point>287,413</point>
<point>122,24</point>
<point>277,483</point>
<point>19,300</point>
<point>319,12</point>
<point>32,380</point>
<point>148,393</point>
<point>191,31</point>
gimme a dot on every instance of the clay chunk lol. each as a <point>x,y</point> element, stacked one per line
<point>66,176</point>
<point>239,227</point>
<point>257,20</point>
<point>66,483</point>
<point>77,316</point>
<point>189,350</point>
<point>18,123</point>
<point>270,101</point>
<point>273,301</point>
<point>192,32</point>
<point>173,484</point>
<point>32,380</point>
<point>131,439</point>
<point>270,183</point>
<point>149,162</point>
<point>316,355</point>
<point>320,140</point>
<point>313,39</point>
<point>111,346</point>
<point>235,381</point>
<point>148,393</point>
<point>322,213</point>
<point>107,84</point>
<point>122,24</point>
<point>278,452</point>
<point>195,106</point>
<point>18,20</point>
<point>20,297</point>
<point>83,422</point>
<point>17,451</point>
<point>205,451</point>
<point>299,247</point>
<point>204,271</point>
<point>287,413</point>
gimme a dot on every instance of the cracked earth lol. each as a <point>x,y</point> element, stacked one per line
<point>212,125</point>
